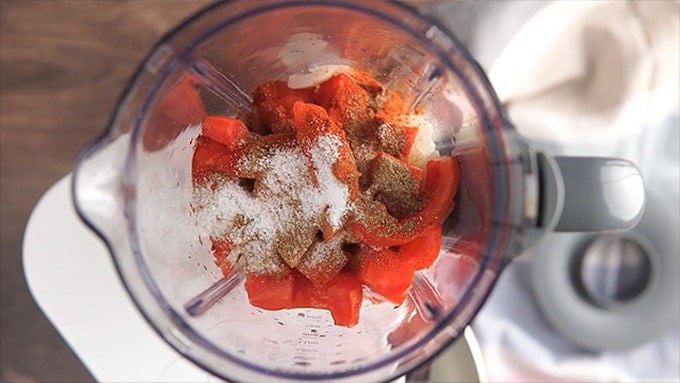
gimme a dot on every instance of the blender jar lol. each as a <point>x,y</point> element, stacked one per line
<point>133,187</point>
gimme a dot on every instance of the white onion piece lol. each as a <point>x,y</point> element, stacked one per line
<point>301,49</point>
<point>316,75</point>
<point>423,148</point>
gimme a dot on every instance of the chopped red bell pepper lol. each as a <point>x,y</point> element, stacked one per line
<point>230,132</point>
<point>375,226</point>
<point>393,183</point>
<point>312,121</point>
<point>272,104</point>
<point>384,272</point>
<point>209,156</point>
<point>342,296</point>
<point>345,101</point>
<point>270,291</point>
<point>395,210</point>
<point>424,250</point>
<point>244,160</point>
<point>180,107</point>
<point>440,184</point>
<point>475,171</point>
<point>221,249</point>
<point>395,137</point>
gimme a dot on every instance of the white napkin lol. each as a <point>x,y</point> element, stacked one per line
<point>578,78</point>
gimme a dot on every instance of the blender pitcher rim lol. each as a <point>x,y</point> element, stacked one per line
<point>96,144</point>
<point>110,131</point>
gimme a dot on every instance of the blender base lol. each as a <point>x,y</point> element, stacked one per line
<point>72,278</point>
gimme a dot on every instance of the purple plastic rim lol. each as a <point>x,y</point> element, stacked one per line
<point>494,132</point>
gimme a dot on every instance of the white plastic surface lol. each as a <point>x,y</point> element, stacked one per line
<point>73,279</point>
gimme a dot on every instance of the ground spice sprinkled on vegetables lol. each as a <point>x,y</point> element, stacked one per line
<point>317,192</point>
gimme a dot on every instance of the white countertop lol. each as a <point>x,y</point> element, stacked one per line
<point>73,279</point>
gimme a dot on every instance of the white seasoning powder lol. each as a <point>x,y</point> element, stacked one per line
<point>332,193</point>
<point>222,211</point>
<point>286,200</point>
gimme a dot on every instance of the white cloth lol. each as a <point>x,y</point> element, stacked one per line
<point>519,345</point>
<point>578,78</point>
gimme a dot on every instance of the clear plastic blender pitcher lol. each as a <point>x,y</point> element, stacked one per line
<point>133,187</point>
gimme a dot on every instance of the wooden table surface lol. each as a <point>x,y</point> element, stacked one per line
<point>63,66</point>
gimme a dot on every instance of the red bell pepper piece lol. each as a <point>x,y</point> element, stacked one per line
<point>312,121</point>
<point>221,250</point>
<point>270,292</point>
<point>424,250</point>
<point>230,132</point>
<point>440,184</point>
<point>272,104</point>
<point>180,107</point>
<point>375,226</point>
<point>345,101</point>
<point>342,296</point>
<point>209,156</point>
<point>384,272</point>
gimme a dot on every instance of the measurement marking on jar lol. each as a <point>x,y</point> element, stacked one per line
<point>305,350</point>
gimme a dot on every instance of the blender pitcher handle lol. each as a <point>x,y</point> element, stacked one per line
<point>590,194</point>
